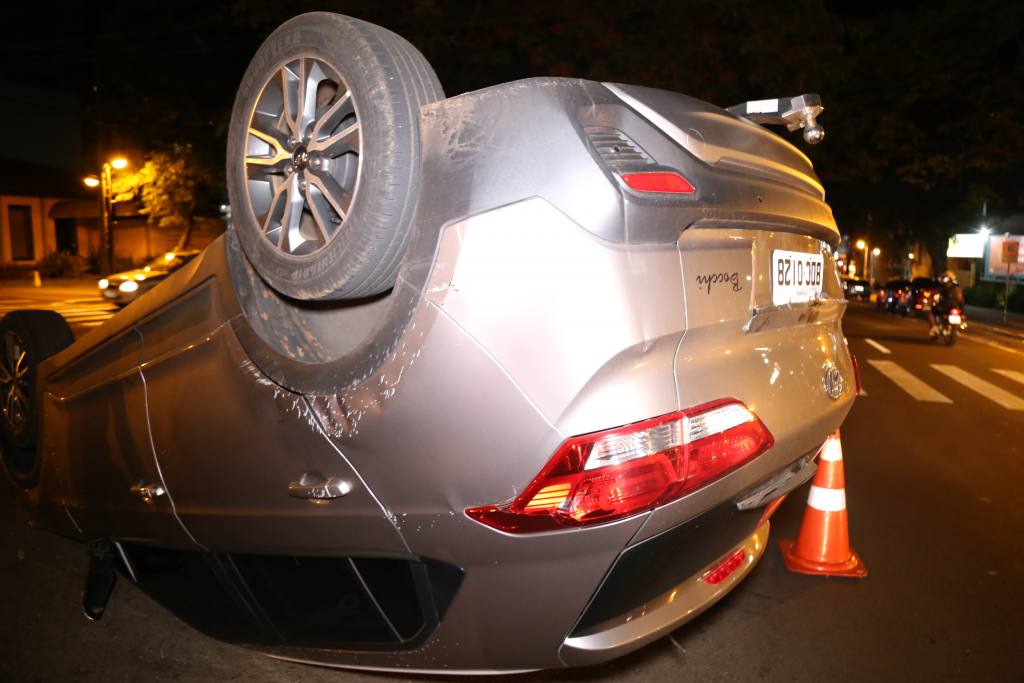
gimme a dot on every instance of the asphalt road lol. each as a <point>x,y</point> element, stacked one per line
<point>77,301</point>
<point>933,490</point>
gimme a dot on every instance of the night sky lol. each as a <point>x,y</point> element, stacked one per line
<point>923,100</point>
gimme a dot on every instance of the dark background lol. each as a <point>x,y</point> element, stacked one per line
<point>923,99</point>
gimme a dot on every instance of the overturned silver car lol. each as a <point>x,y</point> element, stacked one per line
<point>499,382</point>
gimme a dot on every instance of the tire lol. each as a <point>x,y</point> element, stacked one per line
<point>27,338</point>
<point>950,337</point>
<point>323,207</point>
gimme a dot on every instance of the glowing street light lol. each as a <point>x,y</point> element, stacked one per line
<point>876,251</point>
<point>911,256</point>
<point>863,246</point>
<point>106,208</point>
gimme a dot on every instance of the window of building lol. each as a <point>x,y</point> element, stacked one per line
<point>19,222</point>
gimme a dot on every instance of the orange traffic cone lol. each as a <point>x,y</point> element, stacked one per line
<point>823,543</point>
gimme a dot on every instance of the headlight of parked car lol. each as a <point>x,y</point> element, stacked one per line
<point>128,286</point>
<point>103,283</point>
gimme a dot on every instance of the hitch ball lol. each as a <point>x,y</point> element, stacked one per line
<point>813,132</point>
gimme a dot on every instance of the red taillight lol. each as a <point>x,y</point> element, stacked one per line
<point>917,307</point>
<point>725,568</point>
<point>607,475</point>
<point>658,181</point>
<point>955,311</point>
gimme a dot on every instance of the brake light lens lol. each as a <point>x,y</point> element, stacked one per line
<point>603,476</point>
<point>955,311</point>
<point>725,568</point>
<point>658,181</point>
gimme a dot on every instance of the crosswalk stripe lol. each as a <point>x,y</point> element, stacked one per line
<point>879,347</point>
<point>1011,374</point>
<point>907,382</point>
<point>986,389</point>
<point>81,312</point>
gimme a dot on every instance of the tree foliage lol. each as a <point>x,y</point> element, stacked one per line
<point>168,185</point>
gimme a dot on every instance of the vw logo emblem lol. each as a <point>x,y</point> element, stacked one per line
<point>834,382</point>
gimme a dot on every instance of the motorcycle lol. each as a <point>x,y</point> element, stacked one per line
<point>948,323</point>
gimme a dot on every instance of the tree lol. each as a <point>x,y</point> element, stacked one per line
<point>168,185</point>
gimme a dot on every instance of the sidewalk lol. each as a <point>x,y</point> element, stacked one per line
<point>992,319</point>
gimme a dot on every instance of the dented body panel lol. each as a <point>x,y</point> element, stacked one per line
<point>539,299</point>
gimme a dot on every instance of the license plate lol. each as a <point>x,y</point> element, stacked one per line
<point>954,319</point>
<point>796,276</point>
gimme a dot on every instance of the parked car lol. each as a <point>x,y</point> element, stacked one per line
<point>914,298</point>
<point>510,380</point>
<point>889,297</point>
<point>124,288</point>
<point>858,289</point>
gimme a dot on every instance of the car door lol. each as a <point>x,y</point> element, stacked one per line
<point>98,432</point>
<point>237,449</point>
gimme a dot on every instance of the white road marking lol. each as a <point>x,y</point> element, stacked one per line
<point>1011,374</point>
<point>872,342</point>
<point>986,389</point>
<point>907,382</point>
<point>993,344</point>
<point>84,312</point>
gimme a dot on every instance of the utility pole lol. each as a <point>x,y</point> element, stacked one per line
<point>105,184</point>
<point>106,229</point>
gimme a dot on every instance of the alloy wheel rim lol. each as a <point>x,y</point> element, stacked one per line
<point>302,156</point>
<point>14,381</point>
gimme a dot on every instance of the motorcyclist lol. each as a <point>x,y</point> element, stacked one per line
<point>949,295</point>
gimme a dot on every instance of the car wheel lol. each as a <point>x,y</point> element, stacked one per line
<point>27,338</point>
<point>323,155</point>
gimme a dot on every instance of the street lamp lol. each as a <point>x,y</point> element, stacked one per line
<point>863,246</point>
<point>106,209</point>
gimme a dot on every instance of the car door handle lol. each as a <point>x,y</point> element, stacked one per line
<point>315,486</point>
<point>147,491</point>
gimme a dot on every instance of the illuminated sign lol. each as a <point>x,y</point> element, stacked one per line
<point>1002,258</point>
<point>969,245</point>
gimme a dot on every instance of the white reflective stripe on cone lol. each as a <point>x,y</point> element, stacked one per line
<point>832,451</point>
<point>827,500</point>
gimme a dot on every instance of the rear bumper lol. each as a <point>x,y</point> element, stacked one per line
<point>666,612</point>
